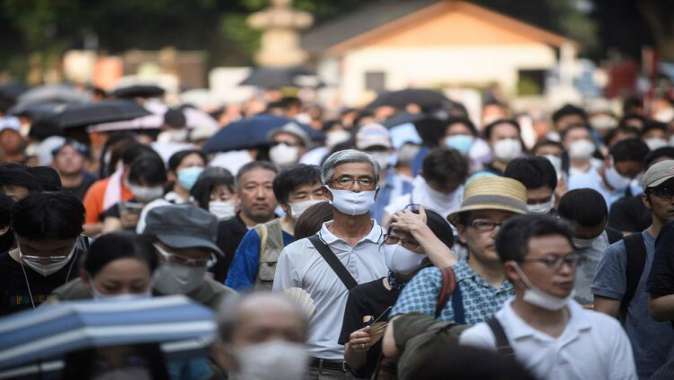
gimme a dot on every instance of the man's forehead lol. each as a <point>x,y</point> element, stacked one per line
<point>498,215</point>
<point>354,168</point>
<point>258,175</point>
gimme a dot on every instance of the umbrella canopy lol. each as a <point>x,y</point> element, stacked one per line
<point>251,132</point>
<point>54,330</point>
<point>266,77</point>
<point>427,99</point>
<point>105,111</point>
<point>138,91</point>
<point>9,92</point>
<point>53,94</point>
<point>152,121</point>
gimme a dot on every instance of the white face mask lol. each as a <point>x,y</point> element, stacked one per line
<point>462,143</point>
<point>146,194</point>
<point>655,143</point>
<point>298,208</point>
<point>352,203</point>
<point>222,209</point>
<point>400,259</point>
<point>41,268</point>
<point>507,149</point>
<point>537,297</point>
<point>541,208</point>
<point>581,149</point>
<point>274,360</point>
<point>98,296</point>
<point>382,158</point>
<point>615,180</point>
<point>284,155</point>
<point>172,278</point>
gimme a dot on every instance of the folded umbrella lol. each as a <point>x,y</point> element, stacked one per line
<point>105,111</point>
<point>251,132</point>
<point>51,331</point>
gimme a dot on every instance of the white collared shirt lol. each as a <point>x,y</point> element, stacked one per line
<point>592,346</point>
<point>300,265</point>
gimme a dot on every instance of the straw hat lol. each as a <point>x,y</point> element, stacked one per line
<point>492,193</point>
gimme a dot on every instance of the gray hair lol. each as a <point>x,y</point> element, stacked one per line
<point>230,309</point>
<point>345,157</point>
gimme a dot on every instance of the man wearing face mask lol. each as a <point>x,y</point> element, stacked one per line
<point>584,210</point>
<point>351,242</point>
<point>47,228</point>
<point>185,241</point>
<point>254,264</point>
<point>545,330</point>
<point>261,337</point>
<point>439,187</point>
<point>288,145</point>
<point>624,164</point>
<point>539,177</point>
<point>481,286</point>
<point>376,141</point>
<point>503,136</point>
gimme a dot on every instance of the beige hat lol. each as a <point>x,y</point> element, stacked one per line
<point>658,173</point>
<point>492,193</point>
<point>371,135</point>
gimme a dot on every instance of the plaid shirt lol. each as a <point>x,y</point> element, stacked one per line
<point>480,299</point>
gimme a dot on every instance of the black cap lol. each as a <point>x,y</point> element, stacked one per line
<point>183,226</point>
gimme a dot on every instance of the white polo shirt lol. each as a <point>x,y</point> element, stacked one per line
<point>593,345</point>
<point>300,265</point>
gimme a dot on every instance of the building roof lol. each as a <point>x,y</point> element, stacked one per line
<point>385,17</point>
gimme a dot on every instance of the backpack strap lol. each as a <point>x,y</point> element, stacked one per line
<point>332,260</point>
<point>635,250</point>
<point>457,306</point>
<point>447,288</point>
<point>503,346</point>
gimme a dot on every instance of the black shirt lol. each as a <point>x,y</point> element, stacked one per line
<point>14,286</point>
<point>661,279</point>
<point>230,233</point>
<point>88,179</point>
<point>371,298</point>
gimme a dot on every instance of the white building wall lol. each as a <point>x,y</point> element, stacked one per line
<point>429,66</point>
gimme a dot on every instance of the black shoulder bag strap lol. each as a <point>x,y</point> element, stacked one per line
<point>333,261</point>
<point>503,346</point>
<point>635,250</point>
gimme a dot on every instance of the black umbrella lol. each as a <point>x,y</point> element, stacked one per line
<point>138,91</point>
<point>9,92</point>
<point>105,111</point>
<point>425,98</point>
<point>282,77</point>
<point>251,132</point>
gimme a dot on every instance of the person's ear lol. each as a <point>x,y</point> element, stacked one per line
<point>511,273</point>
<point>461,229</point>
<point>3,230</point>
<point>328,194</point>
<point>646,201</point>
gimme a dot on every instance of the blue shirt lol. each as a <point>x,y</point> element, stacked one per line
<point>480,299</point>
<point>651,340</point>
<point>243,272</point>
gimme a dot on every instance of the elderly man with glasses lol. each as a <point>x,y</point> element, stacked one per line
<point>344,253</point>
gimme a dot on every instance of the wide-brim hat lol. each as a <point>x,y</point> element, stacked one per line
<point>183,226</point>
<point>492,193</point>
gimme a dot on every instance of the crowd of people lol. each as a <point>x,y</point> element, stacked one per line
<point>383,242</point>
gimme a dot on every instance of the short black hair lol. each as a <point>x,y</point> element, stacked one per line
<point>5,210</point>
<point>175,118</point>
<point>147,170</point>
<point>586,207</point>
<point>623,120</point>
<point>567,110</point>
<point>654,125</point>
<point>294,177</point>
<point>512,240</point>
<point>489,128</point>
<point>546,142</point>
<point>50,215</point>
<point>18,175</point>
<point>265,165</point>
<point>627,129</point>
<point>656,154</point>
<point>462,120</point>
<point>443,165</point>
<point>133,151</point>
<point>562,134</point>
<point>629,150</point>
<point>48,178</point>
<point>440,227</point>
<point>119,245</point>
<point>534,172</point>
<point>177,158</point>
<point>208,179</point>
<point>631,103</point>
